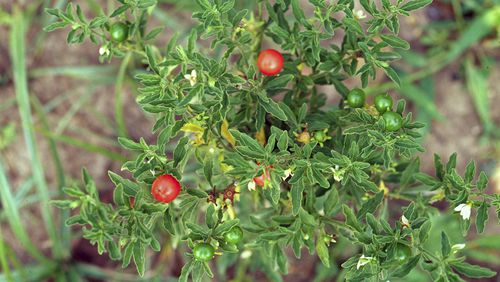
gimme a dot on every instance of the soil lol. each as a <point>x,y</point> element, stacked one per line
<point>460,130</point>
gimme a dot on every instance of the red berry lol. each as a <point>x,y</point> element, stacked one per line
<point>261,180</point>
<point>165,188</point>
<point>270,62</point>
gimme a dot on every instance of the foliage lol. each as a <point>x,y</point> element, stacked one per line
<point>231,124</point>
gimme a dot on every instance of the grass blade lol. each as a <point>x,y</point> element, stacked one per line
<point>3,258</point>
<point>64,231</point>
<point>9,206</point>
<point>17,53</point>
<point>32,273</point>
<point>477,85</point>
<point>84,145</point>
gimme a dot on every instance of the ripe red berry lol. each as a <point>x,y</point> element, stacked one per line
<point>261,180</point>
<point>270,62</point>
<point>165,188</point>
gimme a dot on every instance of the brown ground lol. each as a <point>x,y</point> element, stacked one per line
<point>460,131</point>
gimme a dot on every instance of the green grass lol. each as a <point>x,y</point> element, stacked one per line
<point>17,53</point>
<point>10,208</point>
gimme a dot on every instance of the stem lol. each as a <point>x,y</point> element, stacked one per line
<point>120,121</point>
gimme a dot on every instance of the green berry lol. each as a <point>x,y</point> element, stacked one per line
<point>393,121</point>
<point>119,32</point>
<point>383,103</point>
<point>356,98</point>
<point>203,252</point>
<point>234,235</point>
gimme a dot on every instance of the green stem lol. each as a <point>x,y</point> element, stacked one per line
<point>120,121</point>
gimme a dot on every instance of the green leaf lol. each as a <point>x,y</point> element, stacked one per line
<point>438,164</point>
<point>407,267</point>
<point>373,222</point>
<point>371,205</point>
<point>353,25</point>
<point>129,188</point>
<point>226,226</point>
<point>273,108</point>
<point>118,197</point>
<point>298,11</point>
<point>423,233</point>
<point>393,75</point>
<point>280,81</point>
<point>180,150</point>
<point>415,4</point>
<point>408,174</point>
<point>152,59</point>
<point>350,218</point>
<point>114,251</point>
<point>445,245</point>
<point>307,218</point>
<point>197,90</point>
<point>470,171</point>
<point>425,179</point>
<point>322,251</point>
<point>472,271</point>
<point>197,192</point>
<point>395,41</point>
<point>283,141</point>
<point>211,216</point>
<point>143,4</point>
<point>245,140</point>
<point>127,254</point>
<point>120,10</point>
<point>140,258</point>
<point>297,190</point>
<point>197,229</point>
<point>186,270</point>
<point>153,33</point>
<point>452,163</point>
<point>54,26</point>
<point>208,168</point>
<point>129,144</point>
<point>98,22</point>
<point>482,181</point>
<point>331,201</point>
<point>62,204</point>
<point>482,217</point>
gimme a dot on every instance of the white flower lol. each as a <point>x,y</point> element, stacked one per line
<point>251,186</point>
<point>359,14</point>
<point>246,254</point>
<point>364,260</point>
<point>104,51</point>
<point>191,77</point>
<point>457,247</point>
<point>286,174</point>
<point>338,174</point>
<point>465,210</point>
<point>405,221</point>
